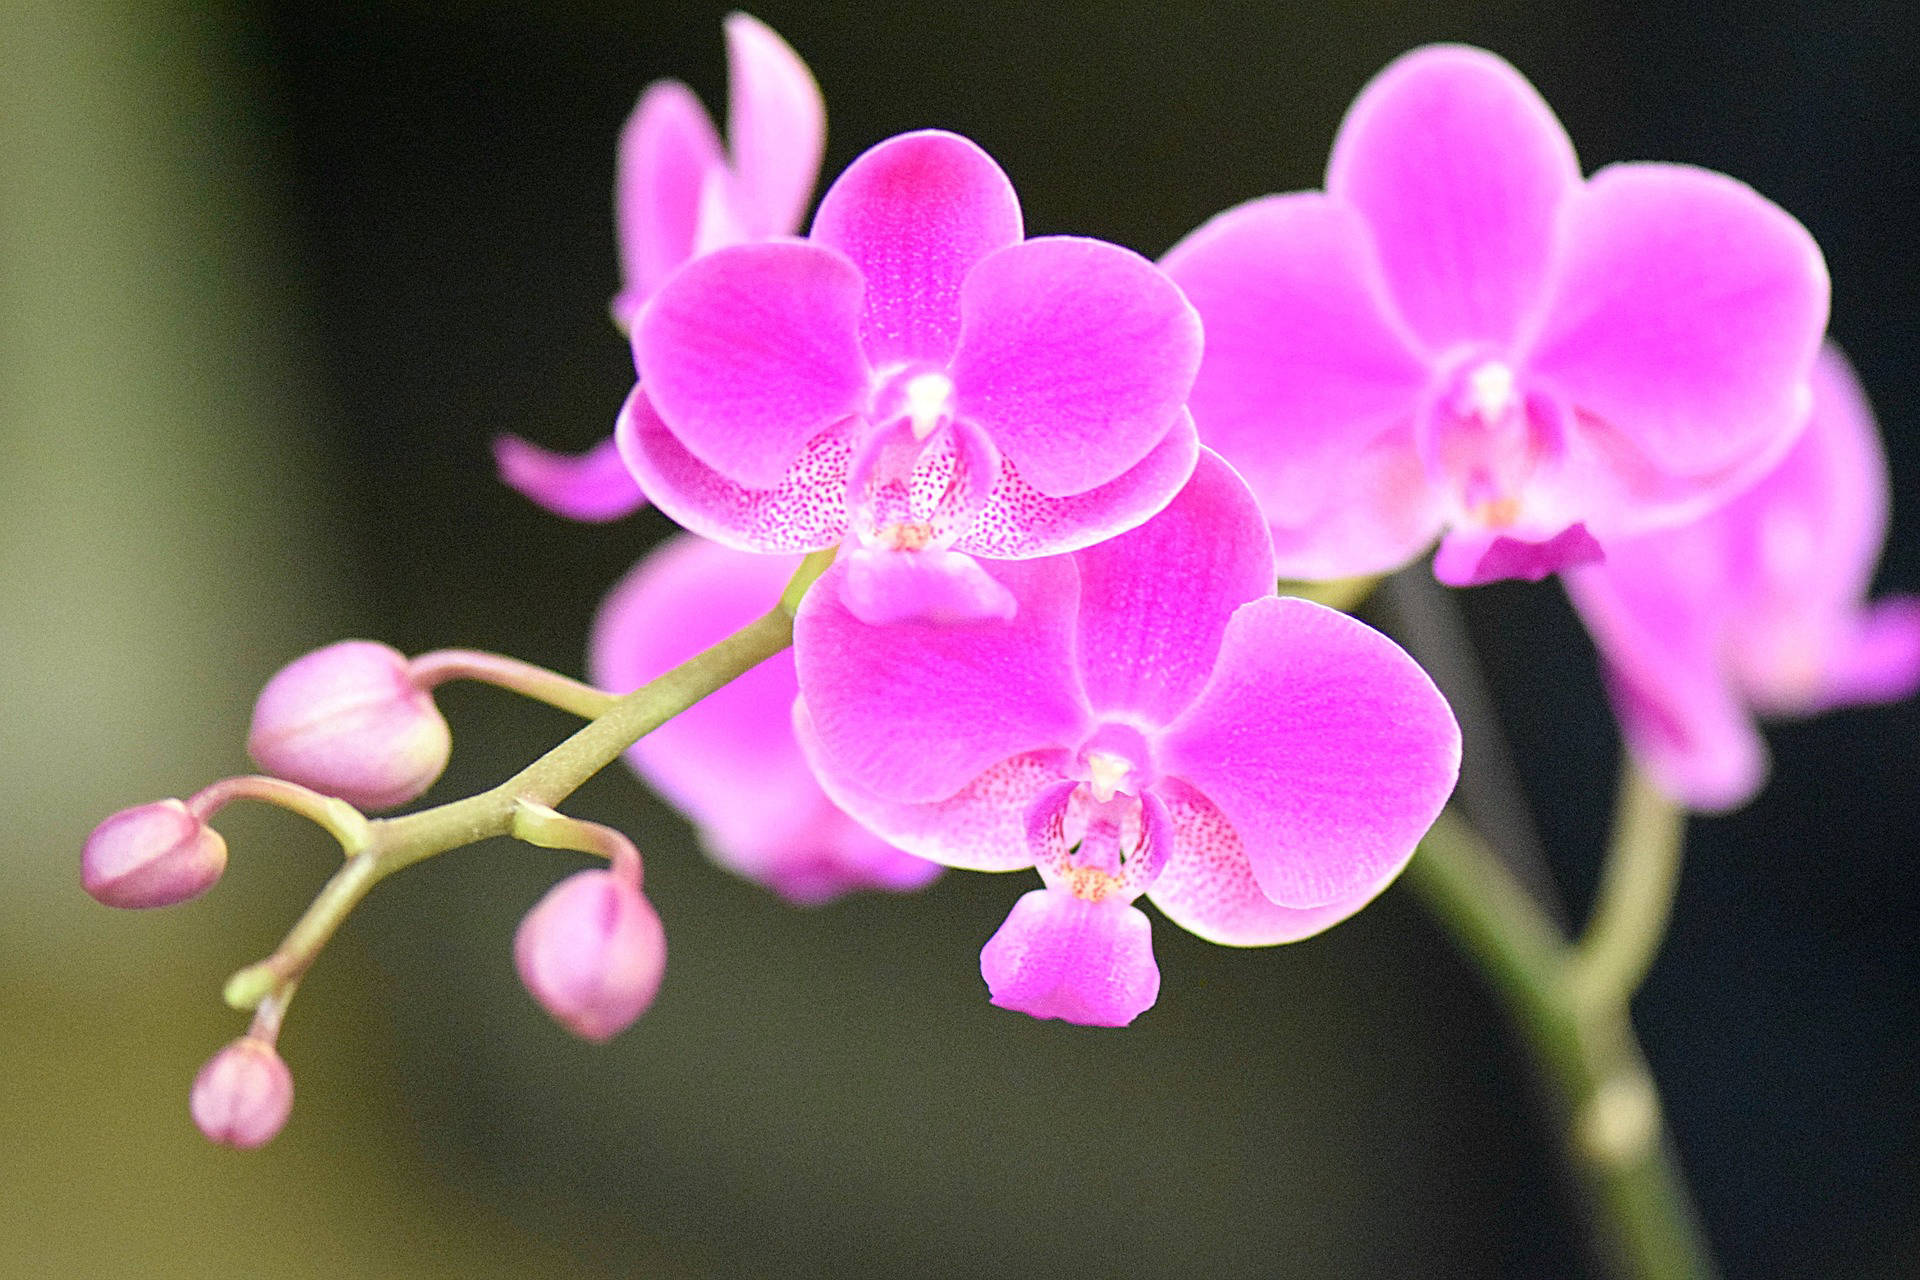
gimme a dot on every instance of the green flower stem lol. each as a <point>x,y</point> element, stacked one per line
<point>537,824</point>
<point>338,818</point>
<point>538,683</point>
<point>1635,898</point>
<point>1344,594</point>
<point>394,843</point>
<point>1584,1046</point>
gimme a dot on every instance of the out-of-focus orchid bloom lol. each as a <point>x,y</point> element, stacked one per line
<point>1152,720</point>
<point>918,380</point>
<point>730,762</point>
<point>1755,608</point>
<point>1459,336</point>
<point>679,193</point>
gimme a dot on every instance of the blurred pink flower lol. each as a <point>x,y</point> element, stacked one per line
<point>1461,338</point>
<point>730,762</point>
<point>678,193</point>
<point>1153,720</point>
<point>917,379</point>
<point>1756,608</point>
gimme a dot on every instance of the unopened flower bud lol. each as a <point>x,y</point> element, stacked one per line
<point>242,1097</point>
<point>592,952</point>
<point>152,855</point>
<point>347,720</point>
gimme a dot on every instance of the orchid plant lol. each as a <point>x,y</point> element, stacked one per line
<point>1055,535</point>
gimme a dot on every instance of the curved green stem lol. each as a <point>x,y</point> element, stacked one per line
<point>394,843</point>
<point>1635,898</point>
<point>524,678</point>
<point>1586,1049</point>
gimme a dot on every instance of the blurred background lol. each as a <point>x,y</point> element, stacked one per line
<point>271,277</point>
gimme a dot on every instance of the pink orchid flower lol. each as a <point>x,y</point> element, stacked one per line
<point>1756,608</point>
<point>1152,720</point>
<point>918,380</point>
<point>1461,338</point>
<point>730,762</point>
<point>678,194</point>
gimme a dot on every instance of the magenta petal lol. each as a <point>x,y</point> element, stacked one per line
<point>916,710</point>
<point>1058,956</point>
<point>1459,169</point>
<point>1325,746</point>
<point>915,213</point>
<point>805,511</point>
<point>776,127</point>
<point>1019,522</point>
<point>667,150</point>
<point>1877,659</point>
<point>751,351</point>
<point>1303,368</point>
<point>980,827</point>
<point>1687,312</point>
<point>1658,624</point>
<point>1208,889</point>
<point>1473,557</point>
<point>1075,356</point>
<point>730,762</point>
<point>1378,512</point>
<point>882,587</point>
<point>1155,601</point>
<point>594,486</point>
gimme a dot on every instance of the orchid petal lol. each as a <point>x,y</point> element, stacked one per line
<point>1325,746</point>
<point>1473,557</point>
<point>916,710</point>
<point>1660,638</point>
<point>804,511</point>
<point>980,827</point>
<point>1075,356</point>
<point>776,127</point>
<point>1059,956</point>
<point>667,148</point>
<point>915,213</point>
<point>1688,311</point>
<point>1303,369</point>
<point>1459,169</point>
<point>882,587</point>
<point>751,351</point>
<point>1876,659</point>
<point>594,486</point>
<point>1208,889</point>
<point>730,762</point>
<point>1380,511</point>
<point>1019,522</point>
<point>1141,653</point>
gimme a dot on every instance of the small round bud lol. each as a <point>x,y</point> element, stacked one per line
<point>346,720</point>
<point>592,952</point>
<point>152,855</point>
<point>242,1097</point>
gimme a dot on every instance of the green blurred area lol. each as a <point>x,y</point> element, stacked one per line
<point>163,545</point>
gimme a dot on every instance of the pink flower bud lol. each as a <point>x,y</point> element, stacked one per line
<point>152,855</point>
<point>242,1097</point>
<point>592,952</point>
<point>346,720</point>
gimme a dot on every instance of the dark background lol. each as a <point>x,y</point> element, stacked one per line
<point>827,1092</point>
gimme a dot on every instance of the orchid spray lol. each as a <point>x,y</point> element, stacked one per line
<point>1023,510</point>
